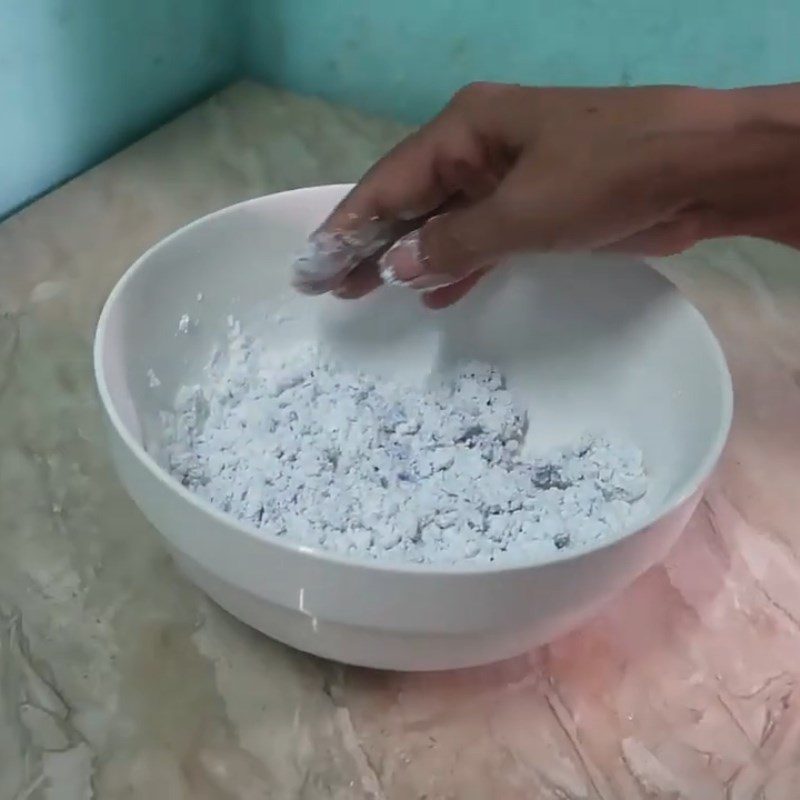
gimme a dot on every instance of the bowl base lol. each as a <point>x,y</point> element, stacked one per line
<point>372,647</point>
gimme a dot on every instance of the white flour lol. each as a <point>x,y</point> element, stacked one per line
<point>356,465</point>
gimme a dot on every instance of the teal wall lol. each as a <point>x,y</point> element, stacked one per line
<point>405,57</point>
<point>81,78</point>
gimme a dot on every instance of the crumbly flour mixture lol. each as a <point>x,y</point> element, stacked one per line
<point>330,458</point>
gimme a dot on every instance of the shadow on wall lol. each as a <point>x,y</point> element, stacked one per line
<point>405,59</point>
<point>81,78</point>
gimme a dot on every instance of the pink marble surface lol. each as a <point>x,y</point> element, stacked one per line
<point>119,680</point>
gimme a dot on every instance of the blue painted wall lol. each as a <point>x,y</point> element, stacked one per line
<point>405,57</point>
<point>81,78</point>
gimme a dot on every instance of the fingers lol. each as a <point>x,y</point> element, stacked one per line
<point>332,254</point>
<point>443,160</point>
<point>664,238</point>
<point>399,187</point>
<point>448,247</point>
<point>446,296</point>
<point>364,279</point>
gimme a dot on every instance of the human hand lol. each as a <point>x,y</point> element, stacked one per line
<point>507,168</point>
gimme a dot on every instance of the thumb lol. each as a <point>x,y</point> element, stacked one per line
<point>447,248</point>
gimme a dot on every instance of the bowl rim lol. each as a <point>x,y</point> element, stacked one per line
<point>687,489</point>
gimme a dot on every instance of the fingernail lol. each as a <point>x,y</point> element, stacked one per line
<point>405,265</point>
<point>403,261</point>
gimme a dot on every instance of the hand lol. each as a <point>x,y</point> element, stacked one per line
<point>505,169</point>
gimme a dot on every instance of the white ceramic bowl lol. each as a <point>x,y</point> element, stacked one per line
<point>585,343</point>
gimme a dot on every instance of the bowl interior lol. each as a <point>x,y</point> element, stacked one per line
<point>586,343</point>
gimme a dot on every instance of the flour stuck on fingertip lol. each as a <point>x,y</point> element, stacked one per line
<point>330,255</point>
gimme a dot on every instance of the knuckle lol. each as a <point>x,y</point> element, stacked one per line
<point>512,206</point>
<point>477,92</point>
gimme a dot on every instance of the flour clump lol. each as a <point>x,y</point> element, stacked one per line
<point>332,458</point>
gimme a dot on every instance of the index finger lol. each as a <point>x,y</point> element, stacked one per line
<point>404,185</point>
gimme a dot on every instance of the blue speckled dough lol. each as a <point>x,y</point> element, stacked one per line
<point>353,464</point>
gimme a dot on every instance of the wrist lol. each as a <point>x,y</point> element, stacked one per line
<point>742,172</point>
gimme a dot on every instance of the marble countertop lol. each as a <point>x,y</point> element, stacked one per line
<point>120,680</point>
